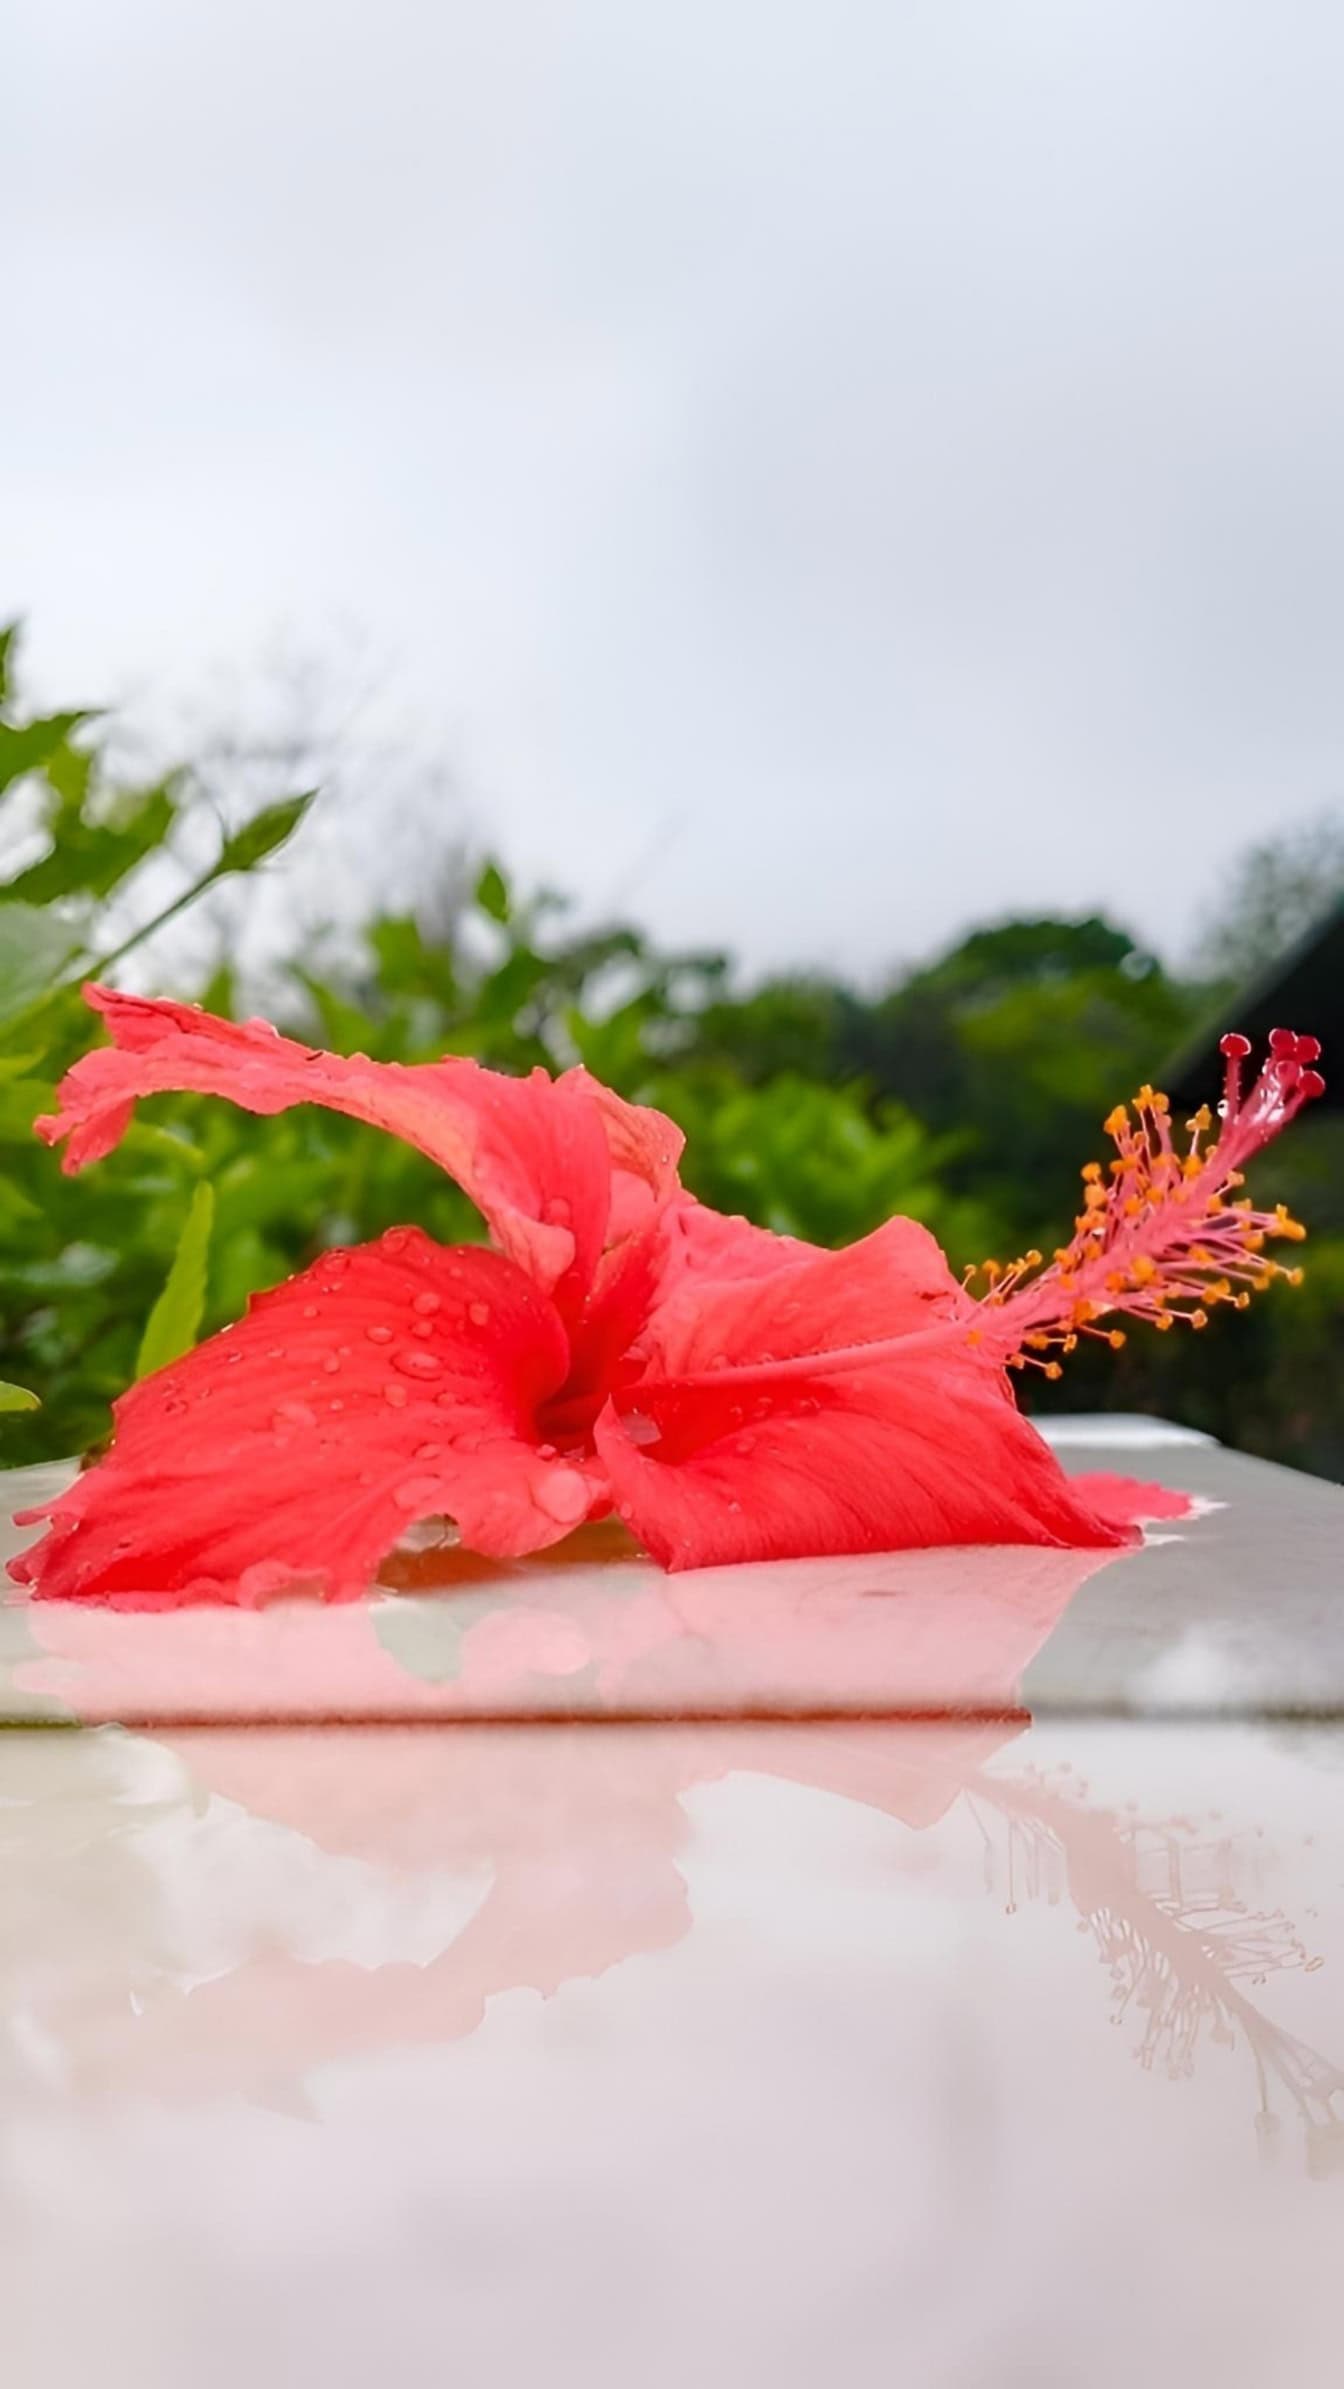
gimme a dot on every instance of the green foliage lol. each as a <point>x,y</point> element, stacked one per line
<point>174,1323</point>
<point>966,1095</point>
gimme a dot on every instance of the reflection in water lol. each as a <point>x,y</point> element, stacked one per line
<point>220,1911</point>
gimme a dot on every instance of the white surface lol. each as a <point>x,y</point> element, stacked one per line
<point>639,2056</point>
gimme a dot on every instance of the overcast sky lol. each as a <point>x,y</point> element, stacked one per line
<point>820,474</point>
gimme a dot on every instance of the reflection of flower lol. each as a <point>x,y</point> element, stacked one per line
<point>1178,1942</point>
<point>733,1395</point>
<point>555,1851</point>
<point>588,1628</point>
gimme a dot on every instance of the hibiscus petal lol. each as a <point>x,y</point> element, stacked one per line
<point>395,1382</point>
<point>731,1448</point>
<point>550,1165</point>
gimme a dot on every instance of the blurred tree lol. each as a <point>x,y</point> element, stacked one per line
<point>1273,894</point>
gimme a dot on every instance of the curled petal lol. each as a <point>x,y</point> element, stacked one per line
<point>395,1382</point>
<point>746,1441</point>
<point>544,1160</point>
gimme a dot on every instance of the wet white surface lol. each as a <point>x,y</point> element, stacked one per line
<point>953,2055</point>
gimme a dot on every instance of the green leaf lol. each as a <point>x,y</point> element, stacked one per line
<point>263,835</point>
<point>8,641</point>
<point>174,1323</point>
<point>25,746</point>
<point>92,857</point>
<point>16,1397</point>
<point>492,893</point>
<point>35,947</point>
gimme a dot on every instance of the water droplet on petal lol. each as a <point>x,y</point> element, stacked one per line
<point>479,1313</point>
<point>174,1406</point>
<point>745,1444</point>
<point>641,1429</point>
<point>331,1363</point>
<point>427,1304</point>
<point>293,1414</point>
<point>563,1494</point>
<point>423,1328</point>
<point>379,1335</point>
<point>396,1240</point>
<point>310,1310</point>
<point>735,1507</point>
<point>558,1211</point>
<point>415,1363</point>
<point>545,1451</point>
<point>428,1451</point>
<point>395,1394</point>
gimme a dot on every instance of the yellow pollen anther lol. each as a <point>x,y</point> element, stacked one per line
<point>1117,1121</point>
<point>1143,1269</point>
<point>1116,1339</point>
<point>1091,1169</point>
<point>1199,1318</point>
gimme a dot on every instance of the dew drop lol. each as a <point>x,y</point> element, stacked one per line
<point>735,1507</point>
<point>745,1444</point>
<point>558,1211</point>
<point>415,1363</point>
<point>310,1310</point>
<point>293,1414</point>
<point>332,1363</point>
<point>642,1429</point>
<point>174,1407</point>
<point>563,1494</point>
<point>396,1240</point>
<point>479,1313</point>
<point>426,1304</point>
<point>545,1451</point>
<point>428,1451</point>
<point>469,1443</point>
<point>395,1394</point>
<point>423,1328</point>
<point>379,1335</point>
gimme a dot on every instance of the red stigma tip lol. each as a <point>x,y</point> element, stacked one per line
<point>1308,1049</point>
<point>1311,1082</point>
<point>1235,1046</point>
<point>1282,1044</point>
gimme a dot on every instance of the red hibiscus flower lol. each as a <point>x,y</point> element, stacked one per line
<point>730,1394</point>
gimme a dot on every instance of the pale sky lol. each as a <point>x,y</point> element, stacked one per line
<point>820,474</point>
